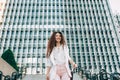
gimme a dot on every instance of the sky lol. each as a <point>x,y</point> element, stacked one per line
<point>115,5</point>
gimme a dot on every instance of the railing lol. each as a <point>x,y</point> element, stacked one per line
<point>102,75</point>
<point>84,74</point>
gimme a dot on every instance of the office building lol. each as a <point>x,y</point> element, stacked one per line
<point>87,25</point>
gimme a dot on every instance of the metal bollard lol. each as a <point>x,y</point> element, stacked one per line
<point>88,74</point>
<point>81,73</point>
<point>1,75</point>
<point>14,76</point>
<point>94,77</point>
<point>20,76</point>
<point>7,77</point>
<point>103,75</point>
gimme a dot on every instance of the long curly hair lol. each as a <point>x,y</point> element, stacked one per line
<point>52,42</point>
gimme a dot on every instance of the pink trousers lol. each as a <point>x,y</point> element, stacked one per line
<point>62,73</point>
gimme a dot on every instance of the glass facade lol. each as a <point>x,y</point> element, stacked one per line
<point>117,25</point>
<point>2,7</point>
<point>87,25</point>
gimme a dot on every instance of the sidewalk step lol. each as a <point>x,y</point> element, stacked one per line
<point>42,77</point>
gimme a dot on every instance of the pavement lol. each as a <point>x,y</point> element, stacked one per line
<point>42,77</point>
<point>34,77</point>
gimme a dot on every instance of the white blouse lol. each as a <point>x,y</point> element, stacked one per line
<point>59,56</point>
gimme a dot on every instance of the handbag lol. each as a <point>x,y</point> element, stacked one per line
<point>71,78</point>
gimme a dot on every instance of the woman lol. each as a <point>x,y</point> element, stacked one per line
<point>58,58</point>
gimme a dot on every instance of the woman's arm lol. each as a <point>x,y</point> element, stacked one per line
<point>49,65</point>
<point>70,59</point>
<point>47,74</point>
<point>72,63</point>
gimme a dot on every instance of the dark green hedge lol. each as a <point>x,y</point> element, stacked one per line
<point>8,56</point>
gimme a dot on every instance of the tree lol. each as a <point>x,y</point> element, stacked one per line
<point>8,56</point>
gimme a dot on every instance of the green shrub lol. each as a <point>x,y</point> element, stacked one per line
<point>8,56</point>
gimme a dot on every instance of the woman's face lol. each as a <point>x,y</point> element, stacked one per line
<point>58,37</point>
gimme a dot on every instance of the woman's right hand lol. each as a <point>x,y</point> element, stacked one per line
<point>75,66</point>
